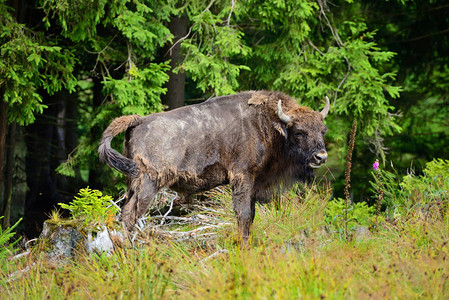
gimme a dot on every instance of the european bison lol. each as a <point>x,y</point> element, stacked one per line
<point>255,141</point>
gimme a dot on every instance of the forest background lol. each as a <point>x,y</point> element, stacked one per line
<point>68,67</point>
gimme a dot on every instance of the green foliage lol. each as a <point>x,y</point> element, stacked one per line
<point>428,192</point>
<point>356,214</point>
<point>211,50</point>
<point>388,182</point>
<point>431,187</point>
<point>125,60</point>
<point>30,61</point>
<point>306,48</point>
<point>423,73</point>
<point>79,18</point>
<point>424,136</point>
<point>5,246</point>
<point>144,26</point>
<point>92,207</point>
<point>288,48</point>
<point>138,92</point>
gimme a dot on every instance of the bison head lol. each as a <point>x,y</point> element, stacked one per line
<point>305,132</point>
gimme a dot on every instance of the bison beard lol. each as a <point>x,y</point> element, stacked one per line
<point>254,141</point>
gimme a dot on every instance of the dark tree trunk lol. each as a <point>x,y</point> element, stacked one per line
<point>19,186</point>
<point>3,129</point>
<point>59,137</point>
<point>43,143</point>
<point>71,126</point>
<point>66,138</point>
<point>98,97</point>
<point>9,175</point>
<point>71,136</point>
<point>175,95</point>
<point>6,185</point>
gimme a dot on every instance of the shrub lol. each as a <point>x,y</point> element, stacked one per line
<point>356,214</point>
<point>425,191</point>
<point>429,189</point>
<point>92,207</point>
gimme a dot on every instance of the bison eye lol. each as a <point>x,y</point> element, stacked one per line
<point>323,132</point>
<point>300,133</point>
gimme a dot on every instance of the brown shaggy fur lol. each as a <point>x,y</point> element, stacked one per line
<point>120,124</point>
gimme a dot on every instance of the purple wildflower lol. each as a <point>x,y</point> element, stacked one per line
<point>376,165</point>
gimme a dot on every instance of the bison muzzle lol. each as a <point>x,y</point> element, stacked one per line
<point>255,141</point>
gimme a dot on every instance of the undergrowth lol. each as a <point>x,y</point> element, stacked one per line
<point>6,242</point>
<point>297,250</point>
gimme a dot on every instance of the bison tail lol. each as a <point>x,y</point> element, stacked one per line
<point>110,156</point>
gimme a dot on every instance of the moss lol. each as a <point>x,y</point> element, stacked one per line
<point>64,222</point>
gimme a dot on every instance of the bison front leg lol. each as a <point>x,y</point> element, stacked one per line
<point>244,206</point>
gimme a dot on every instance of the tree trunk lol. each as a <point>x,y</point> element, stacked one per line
<point>175,95</point>
<point>42,144</point>
<point>9,175</point>
<point>98,97</point>
<point>71,136</point>
<point>3,129</point>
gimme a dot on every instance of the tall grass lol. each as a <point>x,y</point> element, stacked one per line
<point>293,254</point>
<point>134,273</point>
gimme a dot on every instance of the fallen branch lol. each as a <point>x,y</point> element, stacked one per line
<point>214,255</point>
<point>188,233</point>
<point>200,219</point>
<point>207,209</point>
<point>169,210</point>
<point>19,273</point>
<point>20,255</point>
<point>30,241</point>
<point>200,237</point>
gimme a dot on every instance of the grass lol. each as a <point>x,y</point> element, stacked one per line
<point>293,253</point>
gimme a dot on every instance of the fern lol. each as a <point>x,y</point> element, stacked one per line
<point>5,245</point>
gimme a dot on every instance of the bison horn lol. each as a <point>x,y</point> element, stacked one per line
<point>284,118</point>
<point>326,108</point>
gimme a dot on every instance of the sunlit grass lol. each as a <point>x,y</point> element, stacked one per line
<point>392,263</point>
<point>292,254</point>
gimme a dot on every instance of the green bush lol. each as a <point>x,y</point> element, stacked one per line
<point>430,187</point>
<point>427,190</point>
<point>355,214</point>
<point>92,207</point>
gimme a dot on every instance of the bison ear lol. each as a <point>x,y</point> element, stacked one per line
<point>281,128</point>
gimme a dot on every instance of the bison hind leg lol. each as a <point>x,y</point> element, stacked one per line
<point>141,191</point>
<point>128,214</point>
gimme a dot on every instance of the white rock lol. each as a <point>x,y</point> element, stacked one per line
<point>101,243</point>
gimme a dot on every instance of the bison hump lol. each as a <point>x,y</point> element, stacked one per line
<point>257,99</point>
